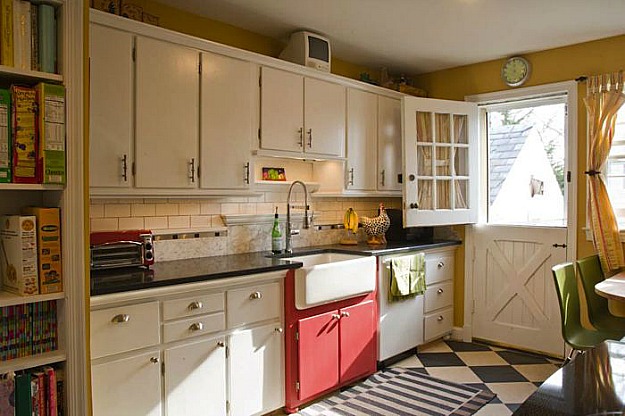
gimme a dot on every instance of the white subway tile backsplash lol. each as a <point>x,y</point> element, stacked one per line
<point>116,210</point>
<point>156,223</point>
<point>200,221</point>
<point>210,208</point>
<point>179,221</point>
<point>189,208</point>
<point>131,223</point>
<point>104,224</point>
<point>96,211</point>
<point>230,208</point>
<point>166,209</point>
<point>143,210</point>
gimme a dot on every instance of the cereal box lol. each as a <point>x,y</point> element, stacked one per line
<point>18,254</point>
<point>48,248</point>
<point>51,129</point>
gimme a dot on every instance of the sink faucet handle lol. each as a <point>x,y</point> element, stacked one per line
<point>294,232</point>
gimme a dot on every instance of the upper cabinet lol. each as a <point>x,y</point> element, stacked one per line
<point>362,131</point>
<point>167,114</point>
<point>228,119</point>
<point>441,162</point>
<point>301,115</point>
<point>389,144</point>
<point>111,103</point>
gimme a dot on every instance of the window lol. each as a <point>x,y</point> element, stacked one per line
<point>615,170</point>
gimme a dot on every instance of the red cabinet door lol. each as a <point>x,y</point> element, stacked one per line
<point>318,350</point>
<point>357,354</point>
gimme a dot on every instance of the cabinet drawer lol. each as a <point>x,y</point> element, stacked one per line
<point>124,328</point>
<point>439,296</point>
<point>438,324</point>
<point>193,327</point>
<point>253,304</point>
<point>193,305</point>
<point>439,267</point>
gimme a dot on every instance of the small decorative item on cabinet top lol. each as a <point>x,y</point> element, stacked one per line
<point>274,174</point>
<point>111,6</point>
<point>376,227</point>
<point>131,10</point>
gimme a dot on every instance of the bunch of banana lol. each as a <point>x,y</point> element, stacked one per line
<point>350,220</point>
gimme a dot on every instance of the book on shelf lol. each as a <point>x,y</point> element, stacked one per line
<point>23,397</point>
<point>6,32</point>
<point>51,394</point>
<point>34,38</point>
<point>51,130</point>
<point>28,329</point>
<point>48,248</point>
<point>5,136</point>
<point>7,394</point>
<point>46,32</point>
<point>24,133</point>
<point>22,34</point>
<point>38,393</point>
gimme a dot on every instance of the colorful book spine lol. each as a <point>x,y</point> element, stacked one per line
<point>47,38</point>
<point>38,393</point>
<point>24,133</point>
<point>34,37</point>
<point>51,394</point>
<point>5,136</point>
<point>6,32</point>
<point>51,128</point>
<point>21,34</point>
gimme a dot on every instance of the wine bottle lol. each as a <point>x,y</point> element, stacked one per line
<point>276,235</point>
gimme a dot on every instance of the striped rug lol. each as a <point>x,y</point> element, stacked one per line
<point>401,391</point>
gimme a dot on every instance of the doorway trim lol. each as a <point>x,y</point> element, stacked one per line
<point>482,100</point>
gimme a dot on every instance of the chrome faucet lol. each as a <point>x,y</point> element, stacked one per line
<point>289,230</point>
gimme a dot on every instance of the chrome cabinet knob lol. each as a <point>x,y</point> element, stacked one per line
<point>440,265</point>
<point>279,330</point>
<point>197,326</point>
<point>336,316</point>
<point>256,295</point>
<point>344,314</point>
<point>221,344</point>
<point>121,318</point>
<point>440,318</point>
<point>155,360</point>
<point>439,291</point>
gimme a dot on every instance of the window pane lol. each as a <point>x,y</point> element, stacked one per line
<point>615,169</point>
<point>424,127</point>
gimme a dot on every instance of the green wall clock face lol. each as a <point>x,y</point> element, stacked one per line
<point>515,71</point>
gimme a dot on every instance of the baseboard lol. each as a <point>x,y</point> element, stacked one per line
<point>461,334</point>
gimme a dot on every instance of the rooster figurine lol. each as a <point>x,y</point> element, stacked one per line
<point>376,227</point>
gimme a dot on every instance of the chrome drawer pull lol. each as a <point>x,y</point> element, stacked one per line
<point>256,295</point>
<point>198,326</point>
<point>195,305</point>
<point>279,330</point>
<point>336,316</point>
<point>439,291</point>
<point>344,314</point>
<point>220,344</point>
<point>440,318</point>
<point>440,265</point>
<point>154,360</point>
<point>121,318</point>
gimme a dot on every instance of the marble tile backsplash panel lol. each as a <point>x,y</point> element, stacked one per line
<point>200,214</point>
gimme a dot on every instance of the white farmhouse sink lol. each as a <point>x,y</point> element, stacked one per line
<point>328,277</point>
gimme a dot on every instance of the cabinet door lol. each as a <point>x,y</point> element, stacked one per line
<point>167,115</point>
<point>358,344</point>
<point>256,370</point>
<point>362,131</point>
<point>228,113</point>
<point>389,144</point>
<point>129,386</point>
<point>318,353</point>
<point>441,160</point>
<point>195,378</point>
<point>110,112</point>
<point>324,117</point>
<point>281,110</point>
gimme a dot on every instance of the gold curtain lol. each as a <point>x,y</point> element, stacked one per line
<point>604,97</point>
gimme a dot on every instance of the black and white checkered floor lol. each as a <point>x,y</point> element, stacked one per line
<point>513,376</point>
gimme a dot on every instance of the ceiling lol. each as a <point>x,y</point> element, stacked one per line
<point>420,36</point>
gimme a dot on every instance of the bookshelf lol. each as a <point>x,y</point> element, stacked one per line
<point>71,351</point>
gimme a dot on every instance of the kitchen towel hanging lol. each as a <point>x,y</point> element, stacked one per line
<point>407,277</point>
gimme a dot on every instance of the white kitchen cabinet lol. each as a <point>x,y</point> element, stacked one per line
<point>256,370</point>
<point>441,162</point>
<point>128,385</point>
<point>110,107</point>
<point>209,363</point>
<point>389,144</point>
<point>229,107</point>
<point>362,131</point>
<point>301,115</point>
<point>167,114</point>
<point>195,378</point>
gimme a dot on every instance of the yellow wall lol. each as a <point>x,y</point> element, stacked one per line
<point>216,31</point>
<point>554,65</point>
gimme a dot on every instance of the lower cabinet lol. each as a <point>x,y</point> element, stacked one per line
<point>336,347</point>
<point>128,386</point>
<point>209,356</point>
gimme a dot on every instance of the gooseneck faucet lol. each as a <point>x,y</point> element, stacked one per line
<point>289,227</point>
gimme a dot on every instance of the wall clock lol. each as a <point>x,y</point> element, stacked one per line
<point>515,71</point>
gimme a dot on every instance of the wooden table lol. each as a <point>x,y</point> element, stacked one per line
<point>613,288</point>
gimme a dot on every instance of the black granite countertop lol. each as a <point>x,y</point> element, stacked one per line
<point>175,272</point>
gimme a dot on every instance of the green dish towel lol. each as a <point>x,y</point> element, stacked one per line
<point>407,277</point>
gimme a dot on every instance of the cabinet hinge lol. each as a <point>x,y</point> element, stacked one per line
<point>133,169</point>
<point>198,171</point>
<point>227,406</point>
<point>162,367</point>
<point>259,136</point>
<point>297,336</point>
<point>568,176</point>
<point>260,80</point>
<point>199,67</point>
<point>227,351</point>
<point>134,54</point>
<point>473,307</point>
<point>297,385</point>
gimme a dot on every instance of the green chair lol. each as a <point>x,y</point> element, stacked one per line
<point>590,273</point>
<point>574,334</point>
